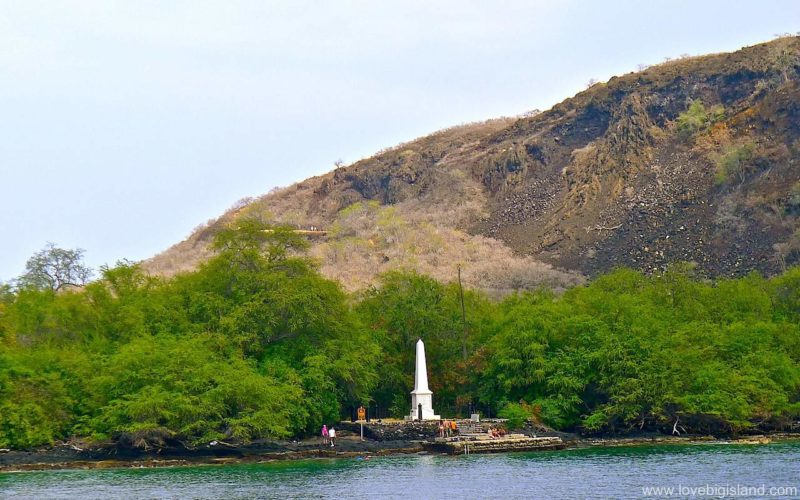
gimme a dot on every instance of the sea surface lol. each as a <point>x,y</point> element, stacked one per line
<point>698,470</point>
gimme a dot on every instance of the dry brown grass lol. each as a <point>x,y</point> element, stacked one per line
<point>368,239</point>
<point>426,234</point>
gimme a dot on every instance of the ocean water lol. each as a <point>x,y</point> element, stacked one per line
<point>700,470</point>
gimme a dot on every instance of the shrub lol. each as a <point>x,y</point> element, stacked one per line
<point>734,162</point>
<point>697,118</point>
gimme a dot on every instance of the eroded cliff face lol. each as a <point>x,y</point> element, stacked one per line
<point>609,177</point>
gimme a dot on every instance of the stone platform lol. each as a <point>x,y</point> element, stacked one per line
<point>392,430</point>
<point>461,445</point>
<point>397,430</point>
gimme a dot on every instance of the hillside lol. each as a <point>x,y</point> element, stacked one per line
<point>691,160</point>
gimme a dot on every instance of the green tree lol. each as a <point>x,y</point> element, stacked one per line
<point>165,388</point>
<point>54,268</point>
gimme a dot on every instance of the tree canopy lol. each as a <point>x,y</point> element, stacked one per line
<point>54,268</point>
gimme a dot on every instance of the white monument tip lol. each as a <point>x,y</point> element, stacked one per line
<point>421,396</point>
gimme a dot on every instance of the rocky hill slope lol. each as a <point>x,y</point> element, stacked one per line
<point>695,160</point>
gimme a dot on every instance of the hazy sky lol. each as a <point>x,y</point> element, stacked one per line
<point>125,124</point>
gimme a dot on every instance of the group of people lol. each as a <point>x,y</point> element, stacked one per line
<point>496,433</point>
<point>448,428</point>
<point>328,435</point>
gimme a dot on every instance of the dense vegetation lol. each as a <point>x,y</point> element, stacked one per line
<point>256,344</point>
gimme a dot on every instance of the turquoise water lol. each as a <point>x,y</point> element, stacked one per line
<point>588,473</point>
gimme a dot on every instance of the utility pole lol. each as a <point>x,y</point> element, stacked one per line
<point>463,316</point>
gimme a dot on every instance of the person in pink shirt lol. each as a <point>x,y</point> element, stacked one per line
<point>324,434</point>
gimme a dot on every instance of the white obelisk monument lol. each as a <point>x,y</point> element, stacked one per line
<point>421,396</point>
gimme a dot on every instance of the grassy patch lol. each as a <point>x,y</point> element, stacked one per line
<point>698,118</point>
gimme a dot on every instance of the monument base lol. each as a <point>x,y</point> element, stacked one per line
<point>425,416</point>
<point>421,402</point>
